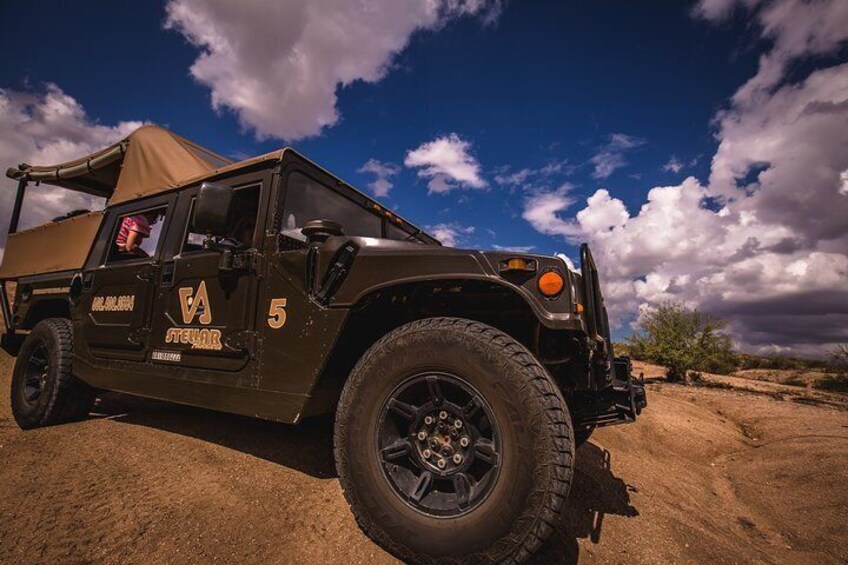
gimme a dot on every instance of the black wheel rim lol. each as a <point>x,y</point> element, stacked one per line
<point>438,444</point>
<point>35,375</point>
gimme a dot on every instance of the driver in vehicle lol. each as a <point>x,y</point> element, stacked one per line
<point>132,233</point>
<point>242,234</point>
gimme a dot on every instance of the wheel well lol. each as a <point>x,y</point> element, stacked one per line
<point>383,310</point>
<point>43,309</point>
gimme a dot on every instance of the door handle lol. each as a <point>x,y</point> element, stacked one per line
<point>146,272</point>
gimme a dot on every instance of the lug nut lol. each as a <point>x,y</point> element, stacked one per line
<point>422,435</point>
<point>426,453</point>
<point>443,415</point>
<point>428,420</point>
<point>441,463</point>
<point>464,442</point>
<point>434,443</point>
<point>457,458</point>
<point>458,424</point>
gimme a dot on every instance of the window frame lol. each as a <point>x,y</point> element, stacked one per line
<point>336,190</point>
<point>99,255</point>
<point>191,195</point>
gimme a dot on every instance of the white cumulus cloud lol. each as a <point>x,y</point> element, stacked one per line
<point>448,162</point>
<point>610,157</point>
<point>451,234</point>
<point>46,128</point>
<point>383,172</point>
<point>278,64</point>
<point>764,242</point>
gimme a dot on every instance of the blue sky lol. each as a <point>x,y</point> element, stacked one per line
<point>545,83</point>
<point>607,95</point>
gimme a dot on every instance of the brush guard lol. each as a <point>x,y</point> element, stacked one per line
<point>619,403</point>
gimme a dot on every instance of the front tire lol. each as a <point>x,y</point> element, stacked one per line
<point>454,444</point>
<point>44,390</point>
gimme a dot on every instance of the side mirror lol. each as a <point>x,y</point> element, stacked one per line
<point>212,209</point>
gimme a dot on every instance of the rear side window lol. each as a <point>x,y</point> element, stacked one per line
<point>136,235</point>
<point>307,199</point>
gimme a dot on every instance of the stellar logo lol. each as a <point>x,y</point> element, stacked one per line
<point>194,304</point>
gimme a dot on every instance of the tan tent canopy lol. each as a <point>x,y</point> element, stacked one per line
<point>149,161</point>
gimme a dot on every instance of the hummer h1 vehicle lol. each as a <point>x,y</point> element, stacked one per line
<point>460,380</point>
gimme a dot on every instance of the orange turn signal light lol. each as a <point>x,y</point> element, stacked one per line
<point>551,283</point>
<point>518,264</point>
<point>579,308</point>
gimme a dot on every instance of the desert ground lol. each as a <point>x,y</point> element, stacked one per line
<point>736,471</point>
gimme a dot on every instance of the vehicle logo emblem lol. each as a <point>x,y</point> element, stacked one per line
<point>193,304</point>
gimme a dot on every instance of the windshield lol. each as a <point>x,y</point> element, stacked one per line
<point>307,199</point>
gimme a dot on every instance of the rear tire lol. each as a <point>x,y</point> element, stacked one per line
<point>516,429</point>
<point>44,390</point>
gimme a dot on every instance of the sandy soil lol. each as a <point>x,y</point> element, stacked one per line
<point>794,377</point>
<point>712,474</point>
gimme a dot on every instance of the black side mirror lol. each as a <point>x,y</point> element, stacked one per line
<point>213,209</point>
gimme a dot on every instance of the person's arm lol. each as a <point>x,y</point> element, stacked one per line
<point>133,245</point>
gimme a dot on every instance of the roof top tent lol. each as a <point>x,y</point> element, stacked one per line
<point>149,161</point>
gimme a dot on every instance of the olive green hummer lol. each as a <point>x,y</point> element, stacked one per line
<point>461,381</point>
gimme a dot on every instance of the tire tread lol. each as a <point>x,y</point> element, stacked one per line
<point>554,414</point>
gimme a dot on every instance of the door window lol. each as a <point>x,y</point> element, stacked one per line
<point>240,231</point>
<point>136,235</point>
<point>307,199</point>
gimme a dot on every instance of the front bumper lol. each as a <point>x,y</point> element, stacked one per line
<point>620,403</point>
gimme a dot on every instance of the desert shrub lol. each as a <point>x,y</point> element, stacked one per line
<point>622,349</point>
<point>836,380</point>
<point>683,340</point>
<point>838,360</point>
<point>833,382</point>
<point>795,381</point>
<point>778,362</point>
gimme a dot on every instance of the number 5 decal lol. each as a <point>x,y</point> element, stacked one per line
<point>277,313</point>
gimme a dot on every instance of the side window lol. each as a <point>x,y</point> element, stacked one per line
<point>136,235</point>
<point>242,225</point>
<point>307,199</point>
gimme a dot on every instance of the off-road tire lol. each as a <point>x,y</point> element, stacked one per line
<point>63,397</point>
<point>531,489</point>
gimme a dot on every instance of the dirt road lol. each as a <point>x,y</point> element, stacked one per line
<point>707,474</point>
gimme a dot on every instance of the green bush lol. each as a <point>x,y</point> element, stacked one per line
<point>621,349</point>
<point>795,381</point>
<point>779,362</point>
<point>683,340</point>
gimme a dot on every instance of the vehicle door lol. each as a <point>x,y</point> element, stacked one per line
<point>205,315</point>
<point>117,286</point>
<point>299,332</point>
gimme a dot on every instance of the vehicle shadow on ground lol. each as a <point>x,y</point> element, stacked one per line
<point>308,448</point>
<point>595,492</point>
